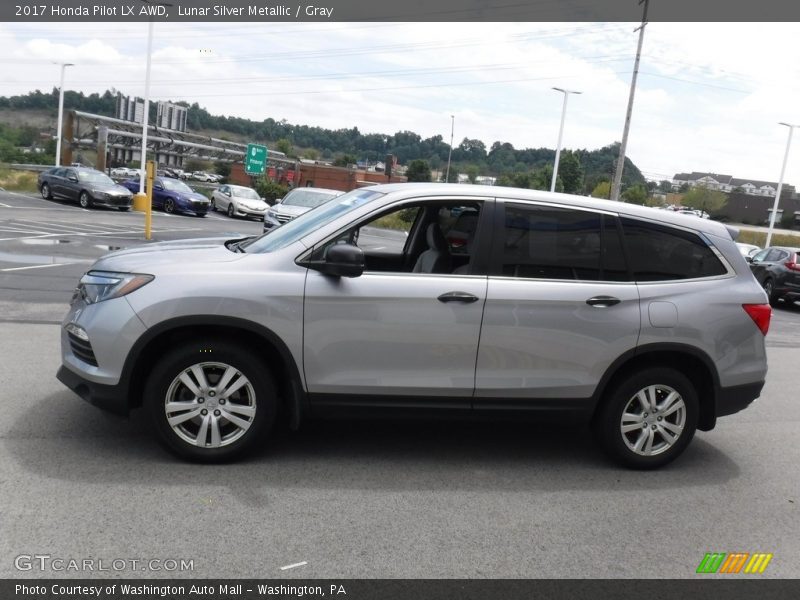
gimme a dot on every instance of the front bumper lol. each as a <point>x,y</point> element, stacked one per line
<point>113,201</point>
<point>112,398</point>
<point>243,211</point>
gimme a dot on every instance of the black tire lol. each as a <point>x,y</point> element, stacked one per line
<point>169,206</point>
<point>230,209</point>
<point>85,200</point>
<point>609,420</point>
<point>124,208</point>
<point>46,193</point>
<point>210,352</point>
<point>769,287</point>
<point>213,204</point>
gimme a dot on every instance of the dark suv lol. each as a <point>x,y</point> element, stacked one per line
<point>777,269</point>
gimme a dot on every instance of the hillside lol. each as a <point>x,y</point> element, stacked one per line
<point>38,110</point>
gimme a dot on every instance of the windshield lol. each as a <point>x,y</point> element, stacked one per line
<point>95,177</point>
<point>307,222</point>
<point>173,185</point>
<point>245,192</point>
<point>307,198</point>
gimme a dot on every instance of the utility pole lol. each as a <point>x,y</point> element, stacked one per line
<point>60,112</point>
<point>774,214</point>
<point>450,152</point>
<point>621,161</point>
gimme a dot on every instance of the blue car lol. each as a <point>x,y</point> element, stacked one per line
<point>172,195</point>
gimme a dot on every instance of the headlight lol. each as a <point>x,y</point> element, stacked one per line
<point>97,286</point>
<point>272,213</point>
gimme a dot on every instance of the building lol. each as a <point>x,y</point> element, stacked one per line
<point>728,183</point>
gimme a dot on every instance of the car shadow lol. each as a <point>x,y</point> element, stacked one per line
<point>63,438</point>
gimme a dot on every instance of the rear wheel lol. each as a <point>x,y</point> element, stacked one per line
<point>213,204</point>
<point>46,193</point>
<point>649,418</point>
<point>85,200</point>
<point>210,401</point>
<point>124,208</point>
<point>769,287</point>
<point>169,205</point>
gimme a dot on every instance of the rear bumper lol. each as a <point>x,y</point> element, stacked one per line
<point>731,400</point>
<point>108,397</point>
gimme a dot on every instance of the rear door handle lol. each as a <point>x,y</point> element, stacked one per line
<point>458,297</point>
<point>603,301</point>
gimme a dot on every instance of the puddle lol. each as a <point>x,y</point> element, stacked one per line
<point>41,242</point>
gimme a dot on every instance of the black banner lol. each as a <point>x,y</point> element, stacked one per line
<point>403,10</point>
<point>401,589</point>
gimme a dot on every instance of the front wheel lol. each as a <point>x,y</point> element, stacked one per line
<point>169,205</point>
<point>124,208</point>
<point>210,401</point>
<point>213,204</point>
<point>230,210</point>
<point>85,200</point>
<point>648,419</point>
<point>46,193</point>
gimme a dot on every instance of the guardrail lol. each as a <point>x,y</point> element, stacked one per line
<point>22,167</point>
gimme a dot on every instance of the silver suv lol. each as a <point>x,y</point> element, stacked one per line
<point>429,297</point>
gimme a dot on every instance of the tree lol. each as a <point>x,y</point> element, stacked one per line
<point>684,188</point>
<point>453,176</point>
<point>635,194</point>
<point>570,173</point>
<point>345,160</point>
<point>543,177</point>
<point>418,170</point>
<point>665,185</point>
<point>602,190</point>
<point>284,145</point>
<point>472,173</point>
<point>703,198</point>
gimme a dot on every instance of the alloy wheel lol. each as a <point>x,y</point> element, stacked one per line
<point>653,420</point>
<point>210,405</point>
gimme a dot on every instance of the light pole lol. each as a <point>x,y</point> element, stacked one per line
<point>450,153</point>
<point>560,133</point>
<point>60,111</point>
<point>146,115</point>
<point>780,183</point>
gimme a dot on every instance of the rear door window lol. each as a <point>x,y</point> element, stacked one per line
<point>662,253</point>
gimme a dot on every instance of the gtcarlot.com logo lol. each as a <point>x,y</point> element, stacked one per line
<point>733,563</point>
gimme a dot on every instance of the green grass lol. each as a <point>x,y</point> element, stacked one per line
<point>759,238</point>
<point>18,181</point>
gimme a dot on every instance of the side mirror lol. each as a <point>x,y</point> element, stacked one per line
<point>341,260</point>
<point>73,179</point>
<point>157,186</point>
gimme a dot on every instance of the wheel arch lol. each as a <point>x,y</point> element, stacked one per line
<point>690,361</point>
<point>265,344</point>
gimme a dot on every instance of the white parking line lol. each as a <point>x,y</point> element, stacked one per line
<point>36,267</point>
<point>300,564</point>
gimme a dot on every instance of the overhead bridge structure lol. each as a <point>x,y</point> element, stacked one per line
<point>121,141</point>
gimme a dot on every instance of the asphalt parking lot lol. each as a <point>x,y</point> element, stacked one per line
<point>362,499</point>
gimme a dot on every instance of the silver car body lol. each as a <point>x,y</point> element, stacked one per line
<point>286,210</point>
<point>244,200</point>
<point>382,337</point>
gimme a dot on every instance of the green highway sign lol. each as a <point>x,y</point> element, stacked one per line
<point>255,161</point>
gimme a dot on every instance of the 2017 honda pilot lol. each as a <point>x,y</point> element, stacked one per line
<point>646,324</point>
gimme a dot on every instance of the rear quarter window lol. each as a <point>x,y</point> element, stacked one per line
<point>663,253</point>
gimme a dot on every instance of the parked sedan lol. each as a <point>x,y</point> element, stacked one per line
<point>239,201</point>
<point>87,186</point>
<point>172,195</point>
<point>748,249</point>
<point>777,269</point>
<point>295,203</point>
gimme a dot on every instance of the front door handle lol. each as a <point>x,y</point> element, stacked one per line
<point>457,297</point>
<point>603,301</point>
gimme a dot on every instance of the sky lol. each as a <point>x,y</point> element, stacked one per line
<point>709,95</point>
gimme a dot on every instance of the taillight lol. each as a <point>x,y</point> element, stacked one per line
<point>761,314</point>
<point>792,264</point>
